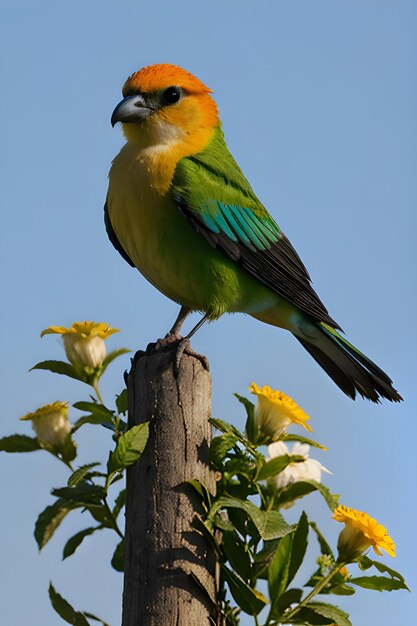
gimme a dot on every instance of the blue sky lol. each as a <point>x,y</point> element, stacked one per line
<point>318,102</point>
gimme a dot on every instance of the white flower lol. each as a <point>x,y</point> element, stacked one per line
<point>310,469</point>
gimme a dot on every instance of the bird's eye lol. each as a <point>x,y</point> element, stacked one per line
<point>171,95</point>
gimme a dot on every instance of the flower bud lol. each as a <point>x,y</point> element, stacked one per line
<point>360,533</point>
<point>274,412</point>
<point>84,342</point>
<point>51,425</point>
<point>84,352</point>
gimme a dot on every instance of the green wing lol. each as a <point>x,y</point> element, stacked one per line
<point>215,197</point>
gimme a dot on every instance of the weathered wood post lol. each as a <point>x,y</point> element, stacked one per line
<point>161,547</point>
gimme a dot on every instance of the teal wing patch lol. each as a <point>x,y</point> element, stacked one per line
<point>215,197</point>
<point>240,224</point>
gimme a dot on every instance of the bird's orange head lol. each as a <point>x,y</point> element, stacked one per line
<point>163,104</point>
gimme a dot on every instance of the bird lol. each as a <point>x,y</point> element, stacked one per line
<point>181,211</point>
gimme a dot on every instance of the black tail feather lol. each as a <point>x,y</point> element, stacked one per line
<point>351,370</point>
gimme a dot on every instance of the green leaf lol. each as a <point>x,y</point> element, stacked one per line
<point>113,355</point>
<point>76,540</point>
<point>251,426</point>
<point>69,449</point>
<point>81,494</point>
<point>378,583</point>
<point>129,448</point>
<point>291,596</point>
<point>118,557</point>
<point>338,617</point>
<point>91,419</point>
<point>302,488</point>
<point>224,427</point>
<point>249,406</point>
<point>278,570</point>
<point>101,515</point>
<point>122,402</point>
<point>65,610</point>
<point>336,586</point>
<point>263,558</point>
<point>206,529</point>
<point>119,503</point>
<point>302,439</point>
<point>79,474</point>
<point>299,546</point>
<point>95,409</point>
<point>237,554</point>
<point>49,520</point>
<point>278,464</point>
<point>19,443</point>
<point>59,367</point>
<point>270,524</point>
<point>202,491</point>
<point>340,590</point>
<point>219,447</point>
<point>331,499</point>
<point>324,546</point>
<point>365,562</point>
<point>98,414</point>
<point>249,600</point>
<point>384,569</point>
<point>97,619</point>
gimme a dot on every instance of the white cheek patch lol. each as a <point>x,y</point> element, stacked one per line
<point>163,135</point>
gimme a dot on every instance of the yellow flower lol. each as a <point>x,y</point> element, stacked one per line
<point>84,342</point>
<point>360,532</point>
<point>51,425</point>
<point>275,412</point>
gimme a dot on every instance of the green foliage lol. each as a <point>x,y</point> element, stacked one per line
<point>278,464</point>
<point>75,541</point>
<point>114,354</point>
<point>302,439</point>
<point>242,523</point>
<point>320,613</point>
<point>247,598</point>
<point>82,473</point>
<point>65,610</point>
<point>49,520</point>
<point>19,443</point>
<point>117,560</point>
<point>59,367</point>
<point>129,449</point>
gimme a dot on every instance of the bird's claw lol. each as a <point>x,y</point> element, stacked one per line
<point>179,346</point>
<point>184,347</point>
<point>167,343</point>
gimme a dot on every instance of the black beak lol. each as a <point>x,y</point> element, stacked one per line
<point>130,110</point>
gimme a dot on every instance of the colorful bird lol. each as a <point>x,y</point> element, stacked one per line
<point>181,211</point>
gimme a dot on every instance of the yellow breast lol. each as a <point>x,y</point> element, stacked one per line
<point>163,245</point>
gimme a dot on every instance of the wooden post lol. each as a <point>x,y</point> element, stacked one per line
<point>161,548</point>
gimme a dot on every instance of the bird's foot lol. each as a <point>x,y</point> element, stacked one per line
<point>179,346</point>
<point>168,342</point>
<point>184,347</point>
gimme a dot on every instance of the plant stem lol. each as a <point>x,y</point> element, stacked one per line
<point>256,620</point>
<point>115,525</point>
<point>96,389</point>
<point>324,581</point>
